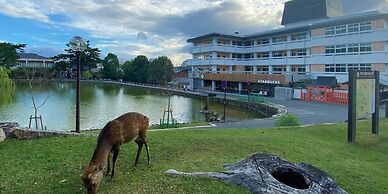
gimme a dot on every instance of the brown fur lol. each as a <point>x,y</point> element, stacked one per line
<point>119,131</point>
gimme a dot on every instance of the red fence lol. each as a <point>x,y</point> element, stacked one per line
<point>325,95</point>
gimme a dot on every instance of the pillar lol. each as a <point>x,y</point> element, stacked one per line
<point>202,83</point>
<point>288,68</point>
<point>230,69</point>
<point>254,69</point>
<point>239,87</point>
<point>213,85</point>
<point>270,69</point>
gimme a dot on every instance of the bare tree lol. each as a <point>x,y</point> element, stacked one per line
<point>30,79</point>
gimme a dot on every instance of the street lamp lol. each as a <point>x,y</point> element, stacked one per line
<point>77,45</point>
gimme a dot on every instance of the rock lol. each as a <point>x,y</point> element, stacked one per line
<point>2,135</point>
<point>12,130</point>
<point>266,173</point>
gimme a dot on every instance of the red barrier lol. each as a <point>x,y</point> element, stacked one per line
<point>324,94</point>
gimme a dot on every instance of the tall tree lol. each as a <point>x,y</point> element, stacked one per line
<point>136,70</point>
<point>160,71</point>
<point>111,66</point>
<point>127,70</point>
<point>90,57</point>
<point>8,53</point>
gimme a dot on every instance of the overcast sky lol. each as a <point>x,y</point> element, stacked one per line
<point>132,27</point>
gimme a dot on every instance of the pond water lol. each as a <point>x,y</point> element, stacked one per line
<point>102,102</point>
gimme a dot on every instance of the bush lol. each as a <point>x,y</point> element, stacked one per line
<point>87,74</point>
<point>287,120</point>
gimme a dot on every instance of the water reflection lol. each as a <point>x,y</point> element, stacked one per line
<point>102,102</point>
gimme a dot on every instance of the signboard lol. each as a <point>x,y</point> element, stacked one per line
<point>268,81</point>
<point>364,96</point>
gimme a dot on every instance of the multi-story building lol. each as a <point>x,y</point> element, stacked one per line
<point>316,40</point>
<point>32,60</point>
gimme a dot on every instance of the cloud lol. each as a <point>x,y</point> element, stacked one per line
<point>158,27</point>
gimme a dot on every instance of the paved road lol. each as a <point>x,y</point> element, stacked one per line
<point>308,112</point>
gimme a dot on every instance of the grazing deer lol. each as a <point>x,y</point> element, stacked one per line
<point>119,131</point>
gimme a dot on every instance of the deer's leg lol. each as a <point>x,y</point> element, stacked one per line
<point>108,167</point>
<point>139,142</point>
<point>116,150</point>
<point>146,146</point>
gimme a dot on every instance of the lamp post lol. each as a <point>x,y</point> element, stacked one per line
<point>77,45</point>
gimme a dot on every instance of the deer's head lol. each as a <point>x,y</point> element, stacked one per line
<point>92,176</point>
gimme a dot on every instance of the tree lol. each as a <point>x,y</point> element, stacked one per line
<point>160,71</point>
<point>90,57</point>
<point>127,70</point>
<point>87,74</point>
<point>8,53</point>
<point>111,66</point>
<point>136,70</point>
<point>6,84</point>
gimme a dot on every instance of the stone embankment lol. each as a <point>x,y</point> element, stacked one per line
<point>13,130</point>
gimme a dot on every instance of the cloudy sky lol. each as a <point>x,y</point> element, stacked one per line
<point>132,27</point>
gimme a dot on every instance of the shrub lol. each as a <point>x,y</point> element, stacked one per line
<point>287,120</point>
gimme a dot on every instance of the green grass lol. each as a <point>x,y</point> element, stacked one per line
<point>38,166</point>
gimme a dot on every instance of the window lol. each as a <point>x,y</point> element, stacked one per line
<point>299,36</point>
<point>279,53</point>
<point>263,55</point>
<point>365,67</point>
<point>340,49</point>
<point>237,43</point>
<point>263,41</point>
<point>365,26</point>
<point>238,56</point>
<point>340,68</point>
<point>353,28</point>
<point>248,56</point>
<point>278,69</point>
<point>340,29</point>
<point>330,31</point>
<point>279,39</point>
<point>365,47</point>
<point>298,52</point>
<point>302,69</point>
<point>329,68</point>
<point>359,67</point>
<point>249,43</point>
<point>353,48</point>
<point>330,50</point>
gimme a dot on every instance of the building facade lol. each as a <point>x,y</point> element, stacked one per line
<point>31,60</point>
<point>301,49</point>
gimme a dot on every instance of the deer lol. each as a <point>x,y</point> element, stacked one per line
<point>123,129</point>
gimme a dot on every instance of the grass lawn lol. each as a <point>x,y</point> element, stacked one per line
<point>54,165</point>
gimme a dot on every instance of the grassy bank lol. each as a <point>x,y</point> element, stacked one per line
<point>54,165</point>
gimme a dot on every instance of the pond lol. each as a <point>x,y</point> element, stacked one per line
<point>102,102</point>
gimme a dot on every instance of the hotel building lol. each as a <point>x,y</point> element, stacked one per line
<point>316,40</point>
<point>31,60</point>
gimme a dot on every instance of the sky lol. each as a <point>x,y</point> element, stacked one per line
<point>129,28</point>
